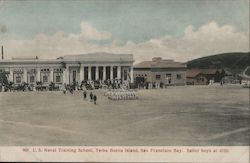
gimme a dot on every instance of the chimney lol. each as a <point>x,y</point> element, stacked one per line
<point>2,52</point>
<point>156,59</point>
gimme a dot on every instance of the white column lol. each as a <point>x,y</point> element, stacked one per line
<point>83,78</point>
<point>11,75</point>
<point>96,73</point>
<point>118,72</point>
<point>104,73</point>
<point>38,74</point>
<point>51,75</point>
<point>81,73</point>
<point>111,72</point>
<point>131,74</point>
<point>66,75</point>
<point>89,73</point>
<point>25,77</point>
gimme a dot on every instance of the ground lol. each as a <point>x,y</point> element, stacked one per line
<point>185,115</point>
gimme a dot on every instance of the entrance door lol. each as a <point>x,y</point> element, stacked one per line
<point>74,76</point>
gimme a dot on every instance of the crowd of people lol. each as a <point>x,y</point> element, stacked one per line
<point>89,85</point>
<point>149,85</point>
<point>121,94</point>
<point>96,84</point>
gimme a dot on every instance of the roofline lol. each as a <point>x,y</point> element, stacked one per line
<point>159,67</point>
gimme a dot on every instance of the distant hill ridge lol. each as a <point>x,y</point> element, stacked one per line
<point>235,60</point>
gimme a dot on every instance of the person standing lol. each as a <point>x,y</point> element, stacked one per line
<point>221,83</point>
<point>84,95</point>
<point>91,96</point>
<point>95,99</point>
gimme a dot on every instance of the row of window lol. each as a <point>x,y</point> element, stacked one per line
<point>158,76</point>
<point>45,79</point>
<point>143,75</point>
<point>47,70</point>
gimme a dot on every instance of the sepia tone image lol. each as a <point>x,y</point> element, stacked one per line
<point>124,73</point>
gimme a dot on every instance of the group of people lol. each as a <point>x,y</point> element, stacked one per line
<point>121,94</point>
<point>92,97</point>
<point>153,85</point>
<point>96,84</point>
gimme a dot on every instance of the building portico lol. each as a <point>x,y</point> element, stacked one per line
<point>97,72</point>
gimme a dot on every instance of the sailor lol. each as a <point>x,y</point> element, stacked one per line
<point>84,95</point>
<point>91,96</point>
<point>95,99</point>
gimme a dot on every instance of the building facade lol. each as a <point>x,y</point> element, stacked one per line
<point>204,76</point>
<point>69,69</point>
<point>166,72</point>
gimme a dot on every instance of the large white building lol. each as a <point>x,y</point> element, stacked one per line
<point>69,69</point>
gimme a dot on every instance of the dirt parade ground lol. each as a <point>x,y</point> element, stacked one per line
<point>185,115</point>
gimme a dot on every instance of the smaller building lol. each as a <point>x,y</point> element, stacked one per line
<point>246,77</point>
<point>204,76</point>
<point>160,72</point>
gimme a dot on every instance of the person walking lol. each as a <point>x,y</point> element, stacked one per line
<point>71,90</point>
<point>95,99</point>
<point>91,96</point>
<point>64,91</point>
<point>84,95</point>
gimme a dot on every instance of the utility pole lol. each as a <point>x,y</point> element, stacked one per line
<point>2,52</point>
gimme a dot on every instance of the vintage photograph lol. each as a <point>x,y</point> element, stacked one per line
<point>124,73</point>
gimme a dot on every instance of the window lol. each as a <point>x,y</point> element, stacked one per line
<point>45,70</point>
<point>158,77</point>
<point>178,76</point>
<point>58,79</point>
<point>45,79</point>
<point>32,79</point>
<point>201,79</point>
<point>168,75</point>
<point>18,79</point>
<point>33,70</point>
<point>126,75</point>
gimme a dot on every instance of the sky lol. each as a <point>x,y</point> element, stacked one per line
<point>173,29</point>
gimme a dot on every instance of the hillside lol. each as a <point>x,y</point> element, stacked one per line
<point>232,61</point>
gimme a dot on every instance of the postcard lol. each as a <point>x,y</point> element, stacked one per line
<point>124,81</point>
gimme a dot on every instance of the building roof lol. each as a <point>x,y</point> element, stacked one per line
<point>99,56</point>
<point>195,72</point>
<point>158,62</point>
<point>91,57</point>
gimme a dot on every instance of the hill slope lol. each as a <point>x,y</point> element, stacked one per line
<point>226,60</point>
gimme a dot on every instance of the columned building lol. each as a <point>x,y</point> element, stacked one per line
<point>70,68</point>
